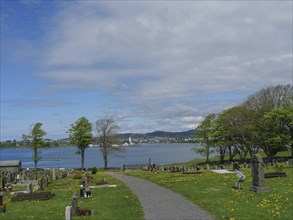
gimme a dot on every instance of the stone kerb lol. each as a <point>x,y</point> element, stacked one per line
<point>32,196</point>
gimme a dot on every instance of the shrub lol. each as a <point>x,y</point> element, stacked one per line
<point>94,170</point>
<point>77,176</point>
<point>82,212</point>
<point>102,181</point>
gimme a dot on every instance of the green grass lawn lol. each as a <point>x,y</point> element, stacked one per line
<point>214,193</point>
<point>108,203</point>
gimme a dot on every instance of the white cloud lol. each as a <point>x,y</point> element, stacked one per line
<point>154,55</point>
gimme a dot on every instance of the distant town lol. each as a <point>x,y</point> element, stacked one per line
<point>154,137</point>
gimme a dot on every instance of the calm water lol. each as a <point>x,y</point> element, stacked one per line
<point>65,157</point>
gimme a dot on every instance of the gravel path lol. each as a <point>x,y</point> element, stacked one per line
<point>160,203</point>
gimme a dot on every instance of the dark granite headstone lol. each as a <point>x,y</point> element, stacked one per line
<point>41,183</point>
<point>2,206</point>
<point>1,198</point>
<point>258,176</point>
<point>30,188</point>
<point>74,207</point>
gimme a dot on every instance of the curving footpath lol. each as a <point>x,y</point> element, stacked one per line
<point>161,203</point>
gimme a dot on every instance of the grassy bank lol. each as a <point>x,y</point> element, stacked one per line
<point>214,193</point>
<point>108,203</point>
<point>280,156</point>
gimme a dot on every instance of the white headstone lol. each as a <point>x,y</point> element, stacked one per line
<point>68,213</point>
<point>54,175</point>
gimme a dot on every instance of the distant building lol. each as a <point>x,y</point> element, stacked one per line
<point>10,165</point>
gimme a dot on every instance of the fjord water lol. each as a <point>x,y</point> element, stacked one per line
<point>65,157</point>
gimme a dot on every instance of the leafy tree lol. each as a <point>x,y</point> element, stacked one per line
<point>203,136</point>
<point>279,132</point>
<point>262,103</point>
<point>36,139</point>
<point>109,140</point>
<point>80,134</point>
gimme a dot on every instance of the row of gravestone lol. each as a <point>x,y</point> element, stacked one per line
<point>30,174</point>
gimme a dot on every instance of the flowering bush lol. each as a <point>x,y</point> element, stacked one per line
<point>83,212</point>
<point>77,176</point>
<point>102,181</point>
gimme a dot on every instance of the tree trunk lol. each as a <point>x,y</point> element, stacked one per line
<point>222,154</point>
<point>105,162</point>
<point>230,154</point>
<point>82,158</point>
<point>207,158</point>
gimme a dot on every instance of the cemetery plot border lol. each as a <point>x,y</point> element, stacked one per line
<point>32,196</point>
<point>275,174</point>
<point>195,172</point>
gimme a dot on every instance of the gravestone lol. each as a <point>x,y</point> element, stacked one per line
<point>1,198</point>
<point>41,183</point>
<point>68,212</point>
<point>32,196</point>
<point>2,206</point>
<point>258,176</point>
<point>3,184</point>
<point>236,166</point>
<point>54,175</point>
<point>46,179</point>
<point>241,178</point>
<point>183,169</point>
<point>30,188</point>
<point>74,207</point>
<point>207,166</point>
<point>290,161</point>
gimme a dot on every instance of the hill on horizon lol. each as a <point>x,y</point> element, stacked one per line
<point>183,134</point>
<point>188,133</point>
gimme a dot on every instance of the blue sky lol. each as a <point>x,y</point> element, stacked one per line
<point>149,65</point>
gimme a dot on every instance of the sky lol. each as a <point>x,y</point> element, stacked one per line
<point>150,65</point>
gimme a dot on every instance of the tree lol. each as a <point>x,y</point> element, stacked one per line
<point>80,134</point>
<point>36,139</point>
<point>262,103</point>
<point>109,140</point>
<point>279,130</point>
<point>203,136</point>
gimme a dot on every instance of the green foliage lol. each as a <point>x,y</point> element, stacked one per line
<point>80,134</point>
<point>204,136</point>
<point>94,170</point>
<point>263,122</point>
<point>77,176</point>
<point>101,181</point>
<point>37,141</point>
